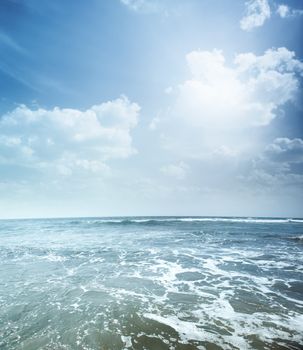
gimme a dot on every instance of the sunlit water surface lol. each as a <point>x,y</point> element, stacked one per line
<point>151,283</point>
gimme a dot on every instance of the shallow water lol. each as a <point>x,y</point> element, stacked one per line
<point>151,283</point>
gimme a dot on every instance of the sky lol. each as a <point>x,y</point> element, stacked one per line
<point>149,107</point>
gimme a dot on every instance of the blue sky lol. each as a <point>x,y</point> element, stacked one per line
<point>149,107</point>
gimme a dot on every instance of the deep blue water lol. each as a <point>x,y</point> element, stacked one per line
<point>151,283</point>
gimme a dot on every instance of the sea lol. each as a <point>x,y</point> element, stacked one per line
<point>151,283</point>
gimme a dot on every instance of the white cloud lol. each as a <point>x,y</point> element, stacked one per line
<point>219,104</point>
<point>145,6</point>
<point>285,150</point>
<point>247,93</point>
<point>178,171</point>
<point>284,11</point>
<point>161,7</point>
<point>257,12</point>
<point>69,140</point>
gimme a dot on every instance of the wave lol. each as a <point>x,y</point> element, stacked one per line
<point>297,238</point>
<point>164,220</point>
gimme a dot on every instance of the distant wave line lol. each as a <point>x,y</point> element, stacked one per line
<point>185,219</point>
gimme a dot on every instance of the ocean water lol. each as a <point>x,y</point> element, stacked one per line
<point>151,283</point>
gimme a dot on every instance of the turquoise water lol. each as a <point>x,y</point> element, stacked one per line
<point>151,283</point>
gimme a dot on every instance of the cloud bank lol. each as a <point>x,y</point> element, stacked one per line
<point>220,104</point>
<point>279,167</point>
<point>69,140</point>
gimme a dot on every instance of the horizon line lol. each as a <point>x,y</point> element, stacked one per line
<point>154,216</point>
